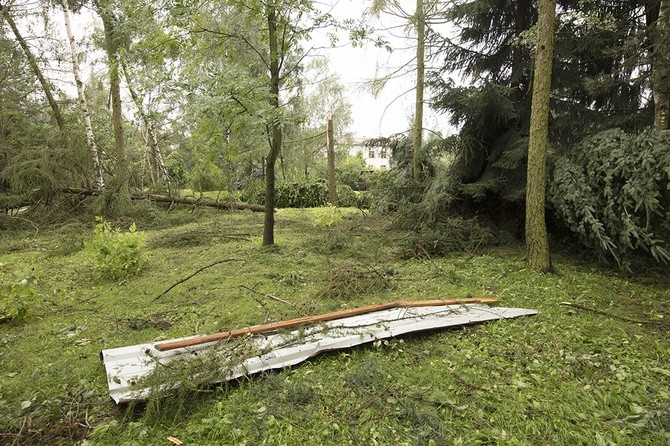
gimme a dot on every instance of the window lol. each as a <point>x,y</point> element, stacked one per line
<point>384,153</point>
<point>371,153</point>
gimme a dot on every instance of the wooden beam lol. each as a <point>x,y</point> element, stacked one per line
<point>256,329</point>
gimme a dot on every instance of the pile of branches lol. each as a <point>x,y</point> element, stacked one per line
<point>351,279</point>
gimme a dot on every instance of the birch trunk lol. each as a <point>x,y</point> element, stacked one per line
<point>98,181</point>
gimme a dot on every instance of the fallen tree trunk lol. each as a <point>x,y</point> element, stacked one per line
<point>233,205</point>
<point>192,201</point>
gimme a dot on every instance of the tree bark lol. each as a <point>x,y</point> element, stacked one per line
<point>275,128</point>
<point>192,201</point>
<point>330,147</point>
<point>661,68</point>
<point>537,243</point>
<point>420,80</point>
<point>55,109</point>
<point>98,181</point>
<point>112,46</point>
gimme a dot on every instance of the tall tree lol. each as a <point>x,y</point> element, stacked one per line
<point>98,181</point>
<point>537,243</point>
<point>106,10</point>
<point>275,134</point>
<point>46,86</point>
<point>420,80</point>
<point>661,68</point>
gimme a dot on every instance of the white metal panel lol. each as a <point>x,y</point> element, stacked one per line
<point>126,365</point>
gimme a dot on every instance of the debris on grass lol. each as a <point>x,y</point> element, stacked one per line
<point>351,279</point>
<point>129,368</point>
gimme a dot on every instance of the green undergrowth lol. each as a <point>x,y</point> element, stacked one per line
<point>595,372</point>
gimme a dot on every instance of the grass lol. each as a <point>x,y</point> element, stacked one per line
<point>567,376</point>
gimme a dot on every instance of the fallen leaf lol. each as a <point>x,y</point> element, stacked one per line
<point>175,440</point>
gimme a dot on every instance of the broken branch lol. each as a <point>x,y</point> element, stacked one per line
<point>269,296</point>
<point>193,274</point>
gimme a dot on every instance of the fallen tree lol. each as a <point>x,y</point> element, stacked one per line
<point>192,201</point>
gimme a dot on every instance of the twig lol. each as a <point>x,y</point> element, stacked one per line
<point>264,307</point>
<point>196,272</point>
<point>269,296</point>
<point>612,315</point>
<point>473,254</point>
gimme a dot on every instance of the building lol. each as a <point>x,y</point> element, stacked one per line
<point>377,157</point>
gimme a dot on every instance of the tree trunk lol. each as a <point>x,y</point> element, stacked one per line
<point>36,69</point>
<point>98,181</point>
<point>537,243</point>
<point>112,46</point>
<point>156,158</point>
<point>661,68</point>
<point>418,104</point>
<point>274,129</point>
<point>330,148</point>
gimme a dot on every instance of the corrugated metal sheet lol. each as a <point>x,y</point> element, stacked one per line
<point>126,365</point>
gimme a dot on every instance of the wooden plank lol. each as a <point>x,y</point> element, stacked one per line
<point>256,329</point>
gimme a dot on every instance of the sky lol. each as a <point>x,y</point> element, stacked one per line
<point>391,111</point>
<point>385,114</point>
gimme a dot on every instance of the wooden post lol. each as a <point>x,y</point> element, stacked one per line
<point>330,146</point>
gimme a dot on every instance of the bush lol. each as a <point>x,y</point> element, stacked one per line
<point>613,191</point>
<point>301,195</point>
<point>13,297</point>
<point>346,197</point>
<point>117,254</point>
<point>254,192</point>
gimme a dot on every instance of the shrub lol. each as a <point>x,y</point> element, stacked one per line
<point>13,297</point>
<point>117,254</point>
<point>301,195</point>
<point>346,197</point>
<point>254,192</point>
<point>613,191</point>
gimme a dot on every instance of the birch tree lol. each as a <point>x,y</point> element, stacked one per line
<point>98,181</point>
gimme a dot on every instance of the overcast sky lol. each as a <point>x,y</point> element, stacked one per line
<point>392,110</point>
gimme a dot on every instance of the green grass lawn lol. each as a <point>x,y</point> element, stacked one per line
<point>567,376</point>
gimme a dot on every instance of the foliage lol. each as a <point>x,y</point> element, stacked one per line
<point>346,197</point>
<point>302,195</point>
<point>207,177</point>
<point>601,75</point>
<point>254,192</point>
<point>14,300</point>
<point>613,191</point>
<point>349,172</point>
<point>327,216</point>
<point>117,254</point>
